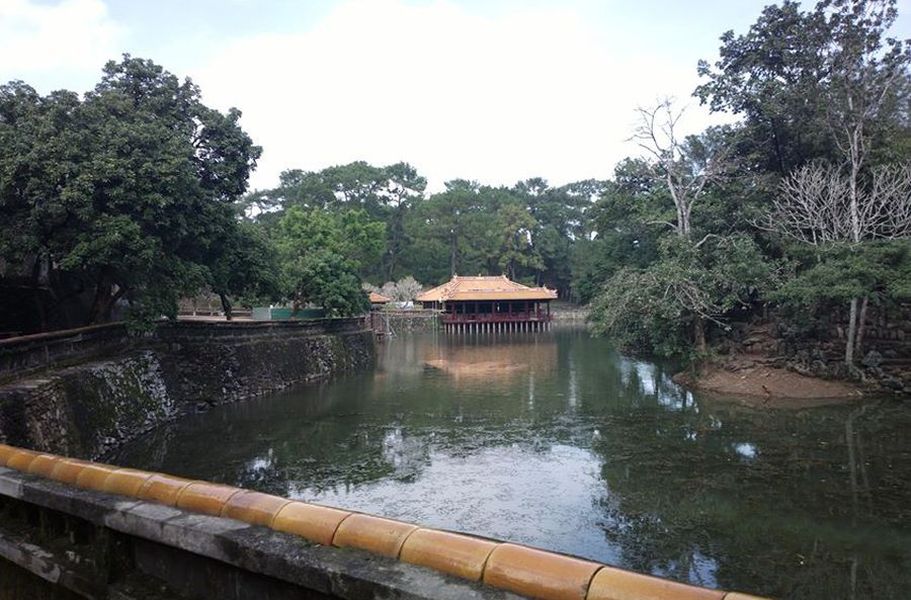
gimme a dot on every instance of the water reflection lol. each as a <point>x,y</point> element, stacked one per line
<point>484,362</point>
<point>556,441</point>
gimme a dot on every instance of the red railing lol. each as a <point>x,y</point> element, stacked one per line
<point>495,317</point>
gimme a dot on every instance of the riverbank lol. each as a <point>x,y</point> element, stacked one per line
<point>768,386</point>
<point>771,362</point>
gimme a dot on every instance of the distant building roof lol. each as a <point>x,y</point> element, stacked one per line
<point>378,298</point>
<point>496,287</point>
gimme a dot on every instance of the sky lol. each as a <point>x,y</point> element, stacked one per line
<point>495,91</point>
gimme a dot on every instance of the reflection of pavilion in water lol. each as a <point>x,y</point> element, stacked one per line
<point>497,361</point>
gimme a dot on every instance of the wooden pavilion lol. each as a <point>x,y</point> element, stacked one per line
<point>490,304</point>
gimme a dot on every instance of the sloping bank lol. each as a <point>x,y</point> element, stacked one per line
<point>83,392</point>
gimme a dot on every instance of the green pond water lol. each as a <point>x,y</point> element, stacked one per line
<point>557,441</point>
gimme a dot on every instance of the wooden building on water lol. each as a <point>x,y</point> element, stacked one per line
<point>490,304</point>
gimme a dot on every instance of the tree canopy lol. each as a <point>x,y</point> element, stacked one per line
<point>805,202</point>
<point>122,194</point>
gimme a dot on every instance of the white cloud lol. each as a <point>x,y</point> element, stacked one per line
<point>37,39</point>
<point>493,98</point>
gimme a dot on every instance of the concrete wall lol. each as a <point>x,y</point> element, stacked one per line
<point>116,387</point>
<point>94,529</point>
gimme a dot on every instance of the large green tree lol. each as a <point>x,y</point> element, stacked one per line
<point>245,267</point>
<point>827,85</point>
<point>121,194</point>
<point>322,254</point>
<point>385,194</point>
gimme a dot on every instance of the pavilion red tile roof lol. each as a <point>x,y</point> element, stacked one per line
<point>496,287</point>
<point>376,298</point>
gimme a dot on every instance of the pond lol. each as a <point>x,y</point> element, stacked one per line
<point>557,441</point>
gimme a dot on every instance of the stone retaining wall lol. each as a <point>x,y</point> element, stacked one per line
<point>89,408</point>
<point>208,540</point>
<point>214,363</point>
<point>404,322</point>
<point>818,347</point>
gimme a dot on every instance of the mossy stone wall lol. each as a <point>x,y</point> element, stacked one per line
<point>86,410</point>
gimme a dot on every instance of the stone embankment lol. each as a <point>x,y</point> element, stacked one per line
<point>773,358</point>
<point>570,314</point>
<point>392,323</point>
<point>103,528</point>
<point>84,392</point>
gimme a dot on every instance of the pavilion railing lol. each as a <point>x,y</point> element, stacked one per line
<point>494,317</point>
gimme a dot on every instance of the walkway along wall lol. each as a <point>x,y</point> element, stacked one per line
<point>84,392</point>
<point>103,532</point>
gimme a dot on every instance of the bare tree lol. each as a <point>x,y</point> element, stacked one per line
<point>684,167</point>
<point>403,290</point>
<point>864,70</point>
<point>820,204</point>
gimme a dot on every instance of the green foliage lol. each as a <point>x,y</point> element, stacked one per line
<point>798,78</point>
<point>350,234</point>
<point>515,250</point>
<point>654,309</point>
<point>123,193</point>
<point>839,273</point>
<point>772,75</point>
<point>383,194</point>
<point>321,254</point>
<point>245,266</point>
<point>326,279</point>
<point>527,231</point>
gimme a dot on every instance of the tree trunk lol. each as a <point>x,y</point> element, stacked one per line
<point>112,300</point>
<point>861,327</point>
<point>453,251</point>
<point>101,300</point>
<point>225,305</point>
<point>699,333</point>
<point>852,333</point>
<point>393,256</point>
<point>776,143</point>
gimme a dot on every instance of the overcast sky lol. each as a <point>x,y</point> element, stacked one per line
<point>495,91</point>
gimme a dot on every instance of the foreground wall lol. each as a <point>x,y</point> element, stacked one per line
<point>84,392</point>
<point>96,531</point>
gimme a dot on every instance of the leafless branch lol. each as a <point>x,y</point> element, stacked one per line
<point>814,206</point>
<point>673,163</point>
